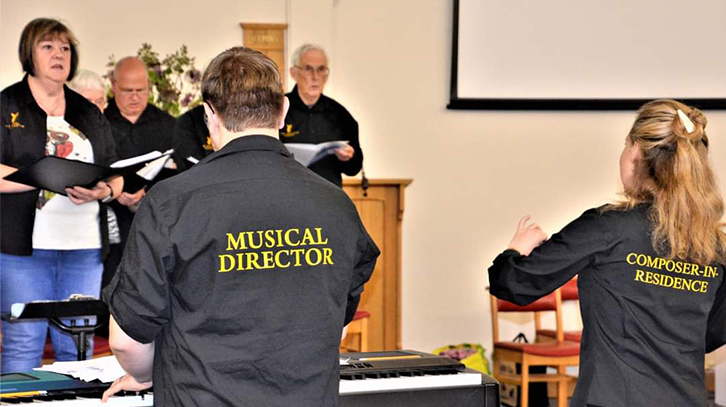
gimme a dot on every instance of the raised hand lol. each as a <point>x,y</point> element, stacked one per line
<point>527,236</point>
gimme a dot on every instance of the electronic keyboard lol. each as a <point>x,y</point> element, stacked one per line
<point>409,378</point>
<point>372,379</point>
<point>73,399</point>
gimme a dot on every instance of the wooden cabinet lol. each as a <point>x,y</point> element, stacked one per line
<point>381,210</point>
<point>268,39</point>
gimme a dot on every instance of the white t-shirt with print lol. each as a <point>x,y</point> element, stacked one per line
<point>59,223</point>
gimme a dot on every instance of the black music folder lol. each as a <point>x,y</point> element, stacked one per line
<point>56,174</point>
<point>153,172</point>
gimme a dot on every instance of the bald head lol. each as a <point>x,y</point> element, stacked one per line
<point>130,85</point>
<point>129,66</point>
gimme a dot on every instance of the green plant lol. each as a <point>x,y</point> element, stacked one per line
<point>174,82</point>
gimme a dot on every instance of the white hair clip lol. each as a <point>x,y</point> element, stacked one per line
<point>687,123</point>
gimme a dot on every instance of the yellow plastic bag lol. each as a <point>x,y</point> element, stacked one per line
<point>470,354</point>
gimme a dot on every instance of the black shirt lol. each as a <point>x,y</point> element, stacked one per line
<point>647,320</point>
<point>243,269</point>
<point>191,138</point>
<point>327,120</point>
<point>152,131</point>
<point>23,135</point>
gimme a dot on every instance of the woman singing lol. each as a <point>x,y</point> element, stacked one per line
<point>50,245</point>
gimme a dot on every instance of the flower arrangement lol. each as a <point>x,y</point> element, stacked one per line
<point>174,82</point>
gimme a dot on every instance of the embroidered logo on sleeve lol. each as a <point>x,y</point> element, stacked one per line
<point>14,123</point>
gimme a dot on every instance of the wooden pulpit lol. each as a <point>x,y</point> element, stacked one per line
<point>382,214</point>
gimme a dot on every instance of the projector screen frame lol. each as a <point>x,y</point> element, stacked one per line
<point>456,103</point>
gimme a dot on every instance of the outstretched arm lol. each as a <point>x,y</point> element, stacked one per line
<point>527,236</point>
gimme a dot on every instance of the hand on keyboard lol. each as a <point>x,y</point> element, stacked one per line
<point>125,382</point>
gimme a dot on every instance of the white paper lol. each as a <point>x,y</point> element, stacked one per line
<point>153,168</point>
<point>308,154</point>
<point>106,369</point>
<point>135,160</point>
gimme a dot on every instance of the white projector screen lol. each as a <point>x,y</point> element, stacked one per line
<point>587,54</point>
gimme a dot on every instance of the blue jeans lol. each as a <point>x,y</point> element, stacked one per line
<point>46,275</point>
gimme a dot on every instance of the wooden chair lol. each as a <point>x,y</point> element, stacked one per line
<point>558,354</point>
<point>357,328</point>
<point>569,293</point>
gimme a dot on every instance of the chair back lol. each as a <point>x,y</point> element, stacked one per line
<point>550,302</point>
<point>569,290</point>
<point>569,293</point>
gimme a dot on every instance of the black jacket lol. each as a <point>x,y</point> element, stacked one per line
<point>23,136</point>
<point>327,120</point>
<point>243,270</point>
<point>647,320</point>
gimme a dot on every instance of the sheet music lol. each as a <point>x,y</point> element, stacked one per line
<point>153,168</point>
<point>106,369</point>
<point>135,160</point>
<point>308,154</point>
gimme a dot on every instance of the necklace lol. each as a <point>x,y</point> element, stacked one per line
<point>57,108</point>
<point>53,104</point>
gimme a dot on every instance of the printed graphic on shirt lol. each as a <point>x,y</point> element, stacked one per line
<point>281,249</point>
<point>64,141</point>
<point>673,274</point>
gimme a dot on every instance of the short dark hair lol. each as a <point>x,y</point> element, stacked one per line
<point>244,88</point>
<point>39,30</point>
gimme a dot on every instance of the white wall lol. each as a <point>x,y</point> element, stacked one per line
<point>120,27</point>
<point>475,173</point>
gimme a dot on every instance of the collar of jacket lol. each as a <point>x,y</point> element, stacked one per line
<point>297,102</point>
<point>254,142</point>
<point>25,98</point>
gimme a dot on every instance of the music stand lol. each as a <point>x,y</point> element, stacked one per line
<point>75,306</point>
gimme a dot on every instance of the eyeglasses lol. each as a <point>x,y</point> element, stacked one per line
<point>131,92</point>
<point>310,70</point>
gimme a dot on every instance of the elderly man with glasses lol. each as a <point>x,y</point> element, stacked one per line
<point>315,118</point>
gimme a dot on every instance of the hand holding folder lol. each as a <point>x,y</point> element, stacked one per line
<point>56,174</point>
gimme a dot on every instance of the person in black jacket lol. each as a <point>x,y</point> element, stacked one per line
<point>314,118</point>
<point>651,269</point>
<point>239,273</point>
<point>51,245</point>
<point>138,127</point>
<point>191,139</point>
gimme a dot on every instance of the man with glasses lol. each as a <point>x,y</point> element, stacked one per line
<point>138,128</point>
<point>315,118</point>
